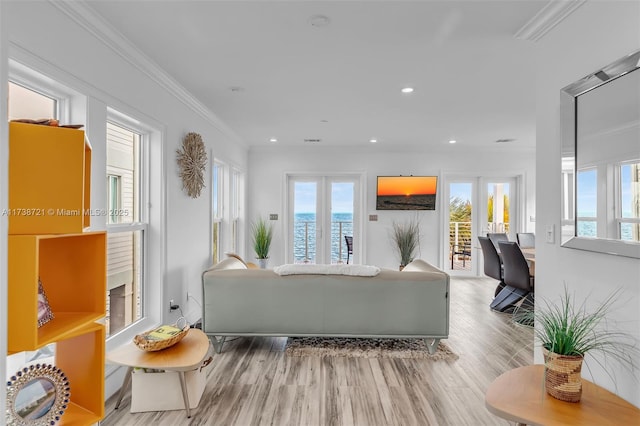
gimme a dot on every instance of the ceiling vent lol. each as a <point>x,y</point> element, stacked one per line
<point>505,140</point>
<point>312,140</point>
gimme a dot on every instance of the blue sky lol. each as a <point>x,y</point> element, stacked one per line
<point>460,190</point>
<point>586,193</point>
<point>341,197</point>
<point>587,182</point>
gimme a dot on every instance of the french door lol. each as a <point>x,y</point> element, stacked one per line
<point>322,210</point>
<point>477,206</point>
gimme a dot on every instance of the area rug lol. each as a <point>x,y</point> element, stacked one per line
<point>366,348</point>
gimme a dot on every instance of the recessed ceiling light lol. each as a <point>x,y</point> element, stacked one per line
<point>373,140</point>
<point>452,141</point>
<point>319,21</point>
<point>273,140</point>
<point>407,89</point>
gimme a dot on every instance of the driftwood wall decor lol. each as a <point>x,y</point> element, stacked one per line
<point>192,159</point>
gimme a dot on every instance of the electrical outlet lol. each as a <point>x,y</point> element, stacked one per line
<point>173,306</point>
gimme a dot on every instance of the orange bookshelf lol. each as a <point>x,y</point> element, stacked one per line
<point>49,188</point>
<point>49,180</point>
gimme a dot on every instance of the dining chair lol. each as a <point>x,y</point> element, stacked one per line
<point>492,262</point>
<point>526,239</point>
<point>349,240</point>
<point>463,249</point>
<point>496,237</point>
<point>518,282</point>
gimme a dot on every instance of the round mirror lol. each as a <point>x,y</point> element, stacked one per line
<point>37,395</point>
<point>35,398</point>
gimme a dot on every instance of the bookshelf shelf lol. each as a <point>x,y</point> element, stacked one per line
<point>73,274</point>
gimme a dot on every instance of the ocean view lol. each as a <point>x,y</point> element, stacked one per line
<point>305,228</point>
<point>587,228</point>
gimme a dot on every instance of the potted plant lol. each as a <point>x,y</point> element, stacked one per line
<point>406,237</point>
<point>566,333</point>
<point>262,232</point>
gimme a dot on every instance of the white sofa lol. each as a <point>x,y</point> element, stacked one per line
<point>241,301</point>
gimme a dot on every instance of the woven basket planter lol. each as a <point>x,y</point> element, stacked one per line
<point>150,345</point>
<point>562,377</point>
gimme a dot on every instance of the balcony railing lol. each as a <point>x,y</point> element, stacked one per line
<point>460,244</point>
<point>304,246</point>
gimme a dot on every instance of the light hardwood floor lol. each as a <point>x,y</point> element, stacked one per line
<point>253,383</point>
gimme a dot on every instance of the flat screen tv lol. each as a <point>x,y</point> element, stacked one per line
<point>406,193</point>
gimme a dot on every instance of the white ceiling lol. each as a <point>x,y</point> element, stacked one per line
<point>474,82</point>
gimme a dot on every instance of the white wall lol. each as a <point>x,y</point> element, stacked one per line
<point>595,35</point>
<point>268,166</point>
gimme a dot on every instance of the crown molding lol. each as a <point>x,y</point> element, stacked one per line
<point>93,23</point>
<point>548,17</point>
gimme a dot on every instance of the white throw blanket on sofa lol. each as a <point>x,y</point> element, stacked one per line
<point>356,270</point>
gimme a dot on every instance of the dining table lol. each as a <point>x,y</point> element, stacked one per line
<point>530,256</point>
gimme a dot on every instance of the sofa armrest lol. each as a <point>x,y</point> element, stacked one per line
<point>419,265</point>
<point>227,263</point>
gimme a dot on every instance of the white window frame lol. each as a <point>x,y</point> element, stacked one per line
<point>619,220</point>
<point>142,224</point>
<point>112,208</point>
<point>151,196</point>
<point>218,205</point>
<point>37,82</point>
<point>234,220</point>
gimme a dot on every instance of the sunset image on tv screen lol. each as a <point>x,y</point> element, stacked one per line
<point>406,193</point>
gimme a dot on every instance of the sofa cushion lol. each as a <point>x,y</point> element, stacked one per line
<point>318,269</point>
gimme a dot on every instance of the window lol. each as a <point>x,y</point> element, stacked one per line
<point>217,211</point>
<point>126,228</point>
<point>628,215</point>
<point>114,198</point>
<point>235,210</point>
<point>28,103</point>
<point>587,205</point>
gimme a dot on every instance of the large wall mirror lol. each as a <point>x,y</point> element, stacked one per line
<point>600,122</point>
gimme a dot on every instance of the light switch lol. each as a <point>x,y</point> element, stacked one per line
<point>373,218</point>
<point>273,216</point>
<point>550,234</point>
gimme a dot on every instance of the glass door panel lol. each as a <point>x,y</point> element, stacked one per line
<point>342,202</point>
<point>498,202</point>
<point>305,206</point>
<point>460,226</point>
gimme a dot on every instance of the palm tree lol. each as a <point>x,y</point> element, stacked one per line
<point>506,208</point>
<point>460,211</point>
